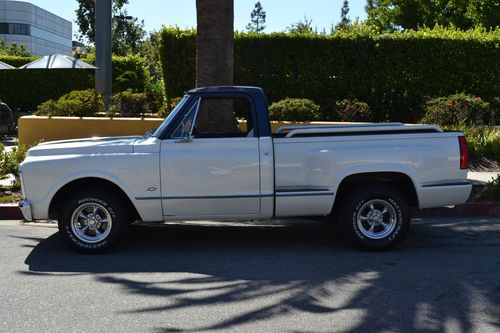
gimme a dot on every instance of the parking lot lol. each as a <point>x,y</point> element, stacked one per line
<point>288,276</point>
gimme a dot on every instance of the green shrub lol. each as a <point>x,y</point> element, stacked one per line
<point>17,61</point>
<point>458,109</point>
<point>166,108</point>
<point>9,163</point>
<point>130,104</point>
<point>80,103</point>
<point>483,141</point>
<point>353,110</point>
<point>294,109</point>
<point>392,72</point>
<point>27,88</point>
<point>129,72</point>
<point>494,188</point>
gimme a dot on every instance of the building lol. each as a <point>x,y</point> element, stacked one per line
<point>42,32</point>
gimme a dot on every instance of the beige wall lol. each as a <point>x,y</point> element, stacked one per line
<point>33,129</point>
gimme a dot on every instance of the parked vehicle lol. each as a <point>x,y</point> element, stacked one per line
<point>7,120</point>
<point>203,164</point>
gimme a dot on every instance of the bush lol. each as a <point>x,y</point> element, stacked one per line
<point>80,103</point>
<point>392,72</point>
<point>483,141</point>
<point>17,61</point>
<point>459,109</point>
<point>168,107</point>
<point>130,104</point>
<point>9,163</point>
<point>493,189</point>
<point>353,110</point>
<point>129,72</point>
<point>294,109</point>
<point>27,88</point>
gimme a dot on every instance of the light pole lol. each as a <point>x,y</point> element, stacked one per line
<point>103,35</point>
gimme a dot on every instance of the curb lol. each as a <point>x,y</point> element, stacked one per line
<point>10,212</point>
<point>472,209</point>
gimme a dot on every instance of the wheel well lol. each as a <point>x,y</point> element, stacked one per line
<point>399,181</point>
<point>78,184</point>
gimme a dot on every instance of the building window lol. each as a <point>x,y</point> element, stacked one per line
<point>15,29</point>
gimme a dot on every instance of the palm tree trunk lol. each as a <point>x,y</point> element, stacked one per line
<point>215,60</point>
<point>214,42</point>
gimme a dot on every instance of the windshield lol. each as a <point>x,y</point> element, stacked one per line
<point>171,116</point>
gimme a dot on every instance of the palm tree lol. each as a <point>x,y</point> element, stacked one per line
<point>214,42</point>
<point>215,60</point>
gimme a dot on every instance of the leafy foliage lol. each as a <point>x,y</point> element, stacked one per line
<point>9,163</point>
<point>127,33</point>
<point>458,109</point>
<point>294,109</point>
<point>392,72</point>
<point>483,141</point>
<point>130,104</point>
<point>257,19</point>
<point>494,188</point>
<point>387,15</point>
<point>302,27</point>
<point>83,103</point>
<point>13,49</point>
<point>40,85</point>
<point>16,61</point>
<point>353,111</point>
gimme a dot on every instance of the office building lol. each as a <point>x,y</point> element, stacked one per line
<point>42,32</point>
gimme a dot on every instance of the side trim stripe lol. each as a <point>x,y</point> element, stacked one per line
<point>207,197</point>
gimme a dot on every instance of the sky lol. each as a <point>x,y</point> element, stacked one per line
<point>280,13</point>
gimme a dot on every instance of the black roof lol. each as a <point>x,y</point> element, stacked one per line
<point>225,89</point>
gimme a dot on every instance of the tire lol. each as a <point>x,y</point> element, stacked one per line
<point>375,217</point>
<point>93,222</point>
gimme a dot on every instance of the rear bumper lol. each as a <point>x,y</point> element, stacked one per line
<point>443,195</point>
<point>25,208</point>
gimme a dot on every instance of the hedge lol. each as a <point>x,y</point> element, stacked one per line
<point>17,61</point>
<point>26,89</point>
<point>393,72</point>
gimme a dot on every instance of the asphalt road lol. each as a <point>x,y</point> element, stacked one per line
<point>293,276</point>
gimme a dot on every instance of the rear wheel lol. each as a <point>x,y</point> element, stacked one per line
<point>93,222</point>
<point>375,217</point>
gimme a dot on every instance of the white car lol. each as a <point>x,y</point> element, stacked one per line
<point>203,164</point>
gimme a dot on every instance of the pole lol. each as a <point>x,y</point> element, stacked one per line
<point>103,82</point>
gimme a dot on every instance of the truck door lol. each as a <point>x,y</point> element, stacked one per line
<point>210,164</point>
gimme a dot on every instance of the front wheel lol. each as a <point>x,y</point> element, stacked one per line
<point>376,217</point>
<point>93,222</point>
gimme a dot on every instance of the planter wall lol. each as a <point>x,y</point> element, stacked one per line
<point>33,129</point>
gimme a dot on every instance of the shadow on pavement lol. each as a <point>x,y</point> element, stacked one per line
<point>444,275</point>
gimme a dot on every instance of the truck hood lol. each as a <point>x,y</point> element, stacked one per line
<point>86,146</point>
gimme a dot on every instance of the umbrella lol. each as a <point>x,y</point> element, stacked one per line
<point>57,61</point>
<point>3,65</point>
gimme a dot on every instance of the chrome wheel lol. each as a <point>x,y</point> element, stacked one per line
<point>376,219</point>
<point>91,222</point>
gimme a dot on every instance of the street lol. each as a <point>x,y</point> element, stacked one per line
<point>284,276</point>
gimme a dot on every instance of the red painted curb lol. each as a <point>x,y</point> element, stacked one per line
<point>10,212</point>
<point>465,210</point>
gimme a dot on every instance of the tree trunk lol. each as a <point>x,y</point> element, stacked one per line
<point>214,42</point>
<point>215,61</point>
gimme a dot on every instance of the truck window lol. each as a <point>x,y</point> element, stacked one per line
<point>223,118</point>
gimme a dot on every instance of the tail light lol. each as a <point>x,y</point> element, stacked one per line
<point>464,152</point>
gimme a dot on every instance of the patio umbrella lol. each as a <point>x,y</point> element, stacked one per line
<point>3,65</point>
<point>57,61</point>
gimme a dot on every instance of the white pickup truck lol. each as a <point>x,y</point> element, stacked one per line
<point>202,163</point>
